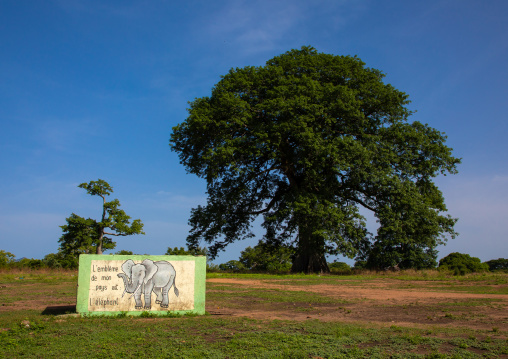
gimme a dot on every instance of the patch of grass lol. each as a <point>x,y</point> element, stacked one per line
<point>472,302</point>
<point>474,289</point>
<point>211,337</point>
<point>37,275</point>
<point>30,334</point>
<point>271,295</point>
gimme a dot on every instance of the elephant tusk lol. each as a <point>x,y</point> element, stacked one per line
<point>135,290</point>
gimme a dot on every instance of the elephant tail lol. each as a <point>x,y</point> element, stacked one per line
<point>177,292</point>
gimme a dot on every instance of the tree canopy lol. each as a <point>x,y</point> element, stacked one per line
<point>306,141</point>
<point>82,235</point>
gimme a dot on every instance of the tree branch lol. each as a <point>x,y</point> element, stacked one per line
<point>115,234</point>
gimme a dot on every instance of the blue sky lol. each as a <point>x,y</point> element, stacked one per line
<point>92,89</point>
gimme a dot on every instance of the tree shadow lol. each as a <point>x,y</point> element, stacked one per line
<point>59,310</point>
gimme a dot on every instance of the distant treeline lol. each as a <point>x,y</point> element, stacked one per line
<point>256,260</point>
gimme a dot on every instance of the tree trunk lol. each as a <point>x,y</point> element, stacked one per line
<point>310,255</point>
<point>99,245</point>
<point>310,263</point>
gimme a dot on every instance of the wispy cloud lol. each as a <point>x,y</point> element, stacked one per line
<point>254,26</point>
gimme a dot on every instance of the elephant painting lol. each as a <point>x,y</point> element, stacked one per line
<point>146,277</point>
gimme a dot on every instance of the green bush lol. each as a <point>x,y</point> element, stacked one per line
<point>360,264</point>
<point>124,252</point>
<point>500,264</point>
<point>267,257</point>
<point>29,263</point>
<point>61,260</point>
<point>232,266</point>
<point>339,268</point>
<point>212,268</point>
<point>461,264</point>
<point>186,252</point>
<point>6,259</point>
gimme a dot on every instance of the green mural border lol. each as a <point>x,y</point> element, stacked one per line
<point>85,263</point>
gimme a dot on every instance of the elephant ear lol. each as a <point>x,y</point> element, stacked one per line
<point>151,269</point>
<point>127,267</point>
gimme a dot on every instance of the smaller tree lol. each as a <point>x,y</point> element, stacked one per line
<point>60,260</point>
<point>28,263</point>
<point>382,255</point>
<point>461,264</point>
<point>125,252</point>
<point>265,256</point>
<point>340,267</point>
<point>198,251</point>
<point>232,266</point>
<point>82,235</point>
<point>498,264</point>
<point>6,258</point>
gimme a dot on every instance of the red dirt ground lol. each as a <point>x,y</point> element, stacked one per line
<point>379,303</point>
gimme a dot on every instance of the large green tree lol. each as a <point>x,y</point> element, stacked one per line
<point>88,235</point>
<point>306,141</point>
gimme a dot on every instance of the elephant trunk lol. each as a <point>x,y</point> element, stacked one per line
<point>130,287</point>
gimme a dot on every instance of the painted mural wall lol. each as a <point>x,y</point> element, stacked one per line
<point>135,284</point>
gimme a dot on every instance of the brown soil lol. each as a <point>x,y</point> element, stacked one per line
<point>34,296</point>
<point>378,303</point>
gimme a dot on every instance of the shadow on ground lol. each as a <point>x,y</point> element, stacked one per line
<point>59,309</point>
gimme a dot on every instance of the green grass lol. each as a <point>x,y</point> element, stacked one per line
<point>269,295</point>
<point>33,334</point>
<point>211,337</point>
<point>20,276</point>
<point>483,283</point>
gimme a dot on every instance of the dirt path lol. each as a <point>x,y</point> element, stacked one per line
<point>377,303</point>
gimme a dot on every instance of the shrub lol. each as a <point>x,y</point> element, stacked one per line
<point>461,264</point>
<point>339,267</point>
<point>186,252</point>
<point>267,257</point>
<point>232,266</point>
<point>124,252</point>
<point>6,258</point>
<point>360,264</point>
<point>498,264</point>
<point>60,260</point>
<point>29,263</point>
<point>212,268</point>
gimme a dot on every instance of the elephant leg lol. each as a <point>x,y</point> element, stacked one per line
<point>148,295</point>
<point>158,292</point>
<point>165,290</point>
<point>137,298</point>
